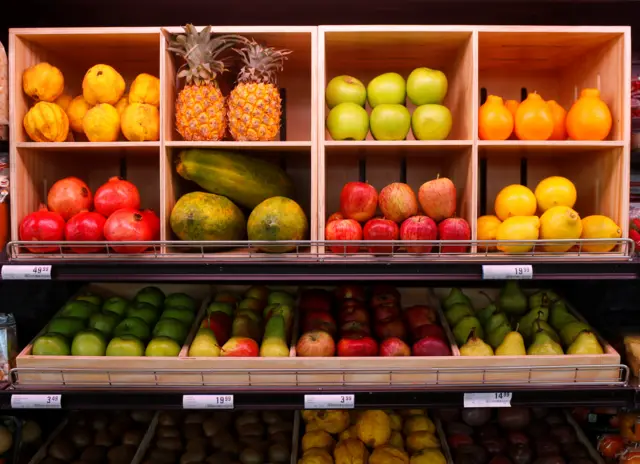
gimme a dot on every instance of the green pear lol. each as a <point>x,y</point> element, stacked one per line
<point>570,331</point>
<point>457,312</point>
<point>204,344</point>
<point>511,300</point>
<point>475,346</point>
<point>463,329</point>
<point>274,343</point>
<point>560,316</point>
<point>540,325</point>
<point>544,345</point>
<point>496,321</point>
<point>585,343</point>
<point>540,297</point>
<point>485,313</point>
<point>526,321</point>
<point>456,296</point>
<point>498,334</point>
<point>512,345</point>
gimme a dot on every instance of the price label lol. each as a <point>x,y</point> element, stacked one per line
<point>26,272</point>
<point>36,401</point>
<point>344,401</point>
<point>207,401</point>
<point>487,400</point>
<point>507,271</point>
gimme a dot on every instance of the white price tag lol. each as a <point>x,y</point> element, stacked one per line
<point>487,400</point>
<point>26,272</point>
<point>207,401</point>
<point>507,271</point>
<point>344,401</point>
<point>36,401</point>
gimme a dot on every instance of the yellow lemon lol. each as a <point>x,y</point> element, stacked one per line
<point>515,200</point>
<point>555,191</point>
<point>102,123</point>
<point>487,228</point>
<point>518,228</point>
<point>560,222</point>
<point>598,226</point>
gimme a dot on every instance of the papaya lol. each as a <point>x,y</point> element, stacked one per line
<point>206,216</point>
<point>245,180</point>
<point>277,218</point>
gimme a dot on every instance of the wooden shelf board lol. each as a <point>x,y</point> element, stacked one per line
<point>275,146</point>
<point>547,146</point>
<point>414,147</point>
<point>141,147</point>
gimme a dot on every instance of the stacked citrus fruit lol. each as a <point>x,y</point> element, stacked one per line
<point>547,214</point>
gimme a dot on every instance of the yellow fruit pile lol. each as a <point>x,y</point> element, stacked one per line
<point>370,437</point>
<point>101,113</point>
<point>544,214</point>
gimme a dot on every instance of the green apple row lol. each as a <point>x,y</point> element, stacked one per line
<point>152,324</point>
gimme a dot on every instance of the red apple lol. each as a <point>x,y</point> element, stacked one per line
<point>419,228</point>
<point>454,229</point>
<point>319,320</point>
<point>384,294</point>
<point>394,347</point>
<point>350,292</point>
<point>438,198</point>
<point>357,346</point>
<point>316,343</point>
<point>315,299</point>
<point>358,200</point>
<point>381,229</point>
<point>335,217</point>
<point>419,315</point>
<point>429,330</point>
<point>386,311</point>
<point>354,328</point>
<point>341,230</point>
<point>242,347</point>
<point>354,314</point>
<point>431,346</point>
<point>220,324</point>
<point>388,328</point>
<point>398,202</point>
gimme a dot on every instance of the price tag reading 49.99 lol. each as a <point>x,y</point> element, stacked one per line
<point>26,272</point>
<point>343,401</point>
<point>507,271</point>
<point>207,401</point>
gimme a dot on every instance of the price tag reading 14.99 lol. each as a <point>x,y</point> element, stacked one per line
<point>507,271</point>
<point>487,400</point>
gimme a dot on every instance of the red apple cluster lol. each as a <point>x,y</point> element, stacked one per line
<point>428,216</point>
<point>374,326</point>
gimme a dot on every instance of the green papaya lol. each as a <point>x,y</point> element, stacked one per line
<point>206,216</point>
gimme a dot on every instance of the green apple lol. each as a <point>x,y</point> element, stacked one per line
<point>343,89</point>
<point>133,326</point>
<point>171,328</point>
<point>89,342</point>
<point>281,297</point>
<point>389,88</point>
<point>80,309</point>
<point>91,298</point>
<point>252,304</point>
<point>162,346</point>
<point>67,326</point>
<point>182,300</point>
<point>151,295</point>
<point>259,292</point>
<point>51,344</point>
<point>426,86</point>
<point>348,121</point>
<point>431,122</point>
<point>390,122</point>
<point>219,306</point>
<point>117,305</point>
<point>144,311</point>
<point>184,315</point>
<point>125,345</point>
<point>105,322</point>
<point>204,344</point>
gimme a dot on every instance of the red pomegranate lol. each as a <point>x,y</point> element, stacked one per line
<point>68,197</point>
<point>42,225</point>
<point>127,225</point>
<point>116,194</point>
<point>153,220</point>
<point>85,227</point>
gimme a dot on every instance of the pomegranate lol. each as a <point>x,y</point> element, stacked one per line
<point>127,225</point>
<point>85,227</point>
<point>42,225</point>
<point>68,197</point>
<point>116,194</point>
<point>153,220</point>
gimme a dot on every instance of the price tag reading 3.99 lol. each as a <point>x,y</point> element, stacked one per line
<point>207,401</point>
<point>343,401</point>
<point>507,271</point>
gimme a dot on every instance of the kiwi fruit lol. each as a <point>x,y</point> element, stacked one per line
<point>161,456</point>
<point>62,449</point>
<point>193,457</point>
<point>192,431</point>
<point>94,453</point>
<point>80,437</point>
<point>103,438</point>
<point>167,431</point>
<point>173,444</point>
<point>121,454</point>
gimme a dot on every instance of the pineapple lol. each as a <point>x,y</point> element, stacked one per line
<point>255,105</point>
<point>200,106</point>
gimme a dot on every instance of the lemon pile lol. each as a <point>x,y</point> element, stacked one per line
<point>547,214</point>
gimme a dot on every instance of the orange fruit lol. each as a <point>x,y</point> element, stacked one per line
<point>533,119</point>
<point>589,118</point>
<point>495,121</point>
<point>559,115</point>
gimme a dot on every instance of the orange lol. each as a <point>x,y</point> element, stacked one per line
<point>589,118</point>
<point>534,120</point>
<point>495,122</point>
<point>559,115</point>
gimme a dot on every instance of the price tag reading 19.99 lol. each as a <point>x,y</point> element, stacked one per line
<point>343,401</point>
<point>207,401</point>
<point>507,271</point>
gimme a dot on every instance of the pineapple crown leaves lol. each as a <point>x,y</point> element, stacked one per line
<point>261,63</point>
<point>201,52</point>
